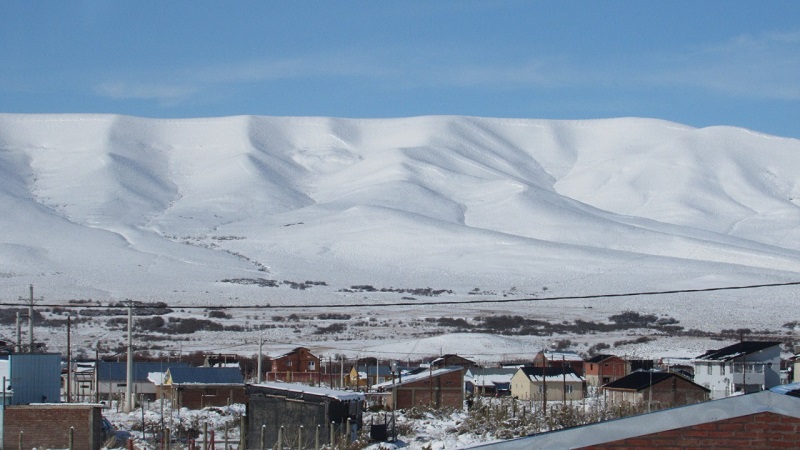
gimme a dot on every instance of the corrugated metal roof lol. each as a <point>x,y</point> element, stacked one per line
<point>205,375</point>
<point>311,390</point>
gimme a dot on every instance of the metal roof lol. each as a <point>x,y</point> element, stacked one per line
<point>736,350</point>
<point>118,371</point>
<point>638,381</point>
<point>538,374</point>
<point>205,375</point>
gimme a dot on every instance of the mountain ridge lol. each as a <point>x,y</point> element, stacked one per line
<point>104,205</point>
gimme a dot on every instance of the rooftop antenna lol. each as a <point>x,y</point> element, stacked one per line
<point>31,301</point>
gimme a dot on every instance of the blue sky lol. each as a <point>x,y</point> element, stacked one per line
<point>700,63</point>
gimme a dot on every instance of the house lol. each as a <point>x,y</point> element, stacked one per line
<point>48,425</point>
<point>602,369</point>
<point>198,387</point>
<point>451,360</point>
<point>746,366</point>
<point>662,389</point>
<point>111,378</point>
<point>433,387</point>
<point>763,420</point>
<point>367,376</point>
<point>271,406</point>
<point>571,360</point>
<point>547,383</point>
<point>299,365</point>
<point>490,382</point>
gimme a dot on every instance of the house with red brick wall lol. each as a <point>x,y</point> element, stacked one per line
<point>571,360</point>
<point>656,389</point>
<point>435,388</point>
<point>763,420</point>
<point>602,369</point>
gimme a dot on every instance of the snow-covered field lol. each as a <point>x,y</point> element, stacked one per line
<point>191,212</point>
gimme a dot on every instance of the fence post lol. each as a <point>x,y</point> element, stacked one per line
<point>166,439</point>
<point>348,433</point>
<point>280,437</point>
<point>20,439</point>
<point>316,438</point>
<point>212,442</point>
<point>332,435</point>
<point>71,438</point>
<point>263,437</point>
<point>205,436</point>
<point>300,438</point>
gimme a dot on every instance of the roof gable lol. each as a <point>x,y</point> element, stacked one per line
<point>558,374</point>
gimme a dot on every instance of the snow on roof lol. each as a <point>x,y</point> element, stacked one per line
<point>562,356</point>
<point>488,377</point>
<point>314,390</point>
<point>551,374</point>
<point>416,377</point>
<point>736,350</point>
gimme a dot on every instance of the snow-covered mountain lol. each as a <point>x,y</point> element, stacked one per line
<point>115,207</point>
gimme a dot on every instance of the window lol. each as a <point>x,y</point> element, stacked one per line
<point>709,368</point>
<point>722,369</point>
<point>311,365</point>
<point>289,363</point>
<point>542,388</point>
<point>568,389</point>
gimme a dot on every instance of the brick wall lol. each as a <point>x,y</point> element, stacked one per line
<point>443,390</point>
<point>756,431</point>
<point>47,426</point>
<point>198,397</point>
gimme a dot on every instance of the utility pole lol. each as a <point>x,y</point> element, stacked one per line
<point>69,359</point>
<point>31,301</point>
<point>260,357</point>
<point>18,347</point>
<point>129,378</point>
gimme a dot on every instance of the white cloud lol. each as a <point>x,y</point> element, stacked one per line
<point>163,93</point>
<point>764,66</point>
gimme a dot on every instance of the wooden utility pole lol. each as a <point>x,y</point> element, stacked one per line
<point>129,378</point>
<point>69,359</point>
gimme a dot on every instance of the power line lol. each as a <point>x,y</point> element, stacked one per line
<point>428,303</point>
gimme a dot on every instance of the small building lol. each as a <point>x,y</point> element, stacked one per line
<point>747,366</point>
<point>436,388</point>
<point>571,360</point>
<point>658,389</point>
<point>489,382</point>
<point>199,387</point>
<point>34,378</point>
<point>764,420</point>
<point>367,376</point>
<point>547,383</point>
<point>47,425</point>
<point>603,369</point>
<point>111,378</point>
<point>299,365</point>
<point>274,405</point>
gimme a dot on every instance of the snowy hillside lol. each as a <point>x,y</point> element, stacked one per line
<point>111,207</point>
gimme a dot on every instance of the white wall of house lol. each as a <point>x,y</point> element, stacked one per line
<point>723,378</point>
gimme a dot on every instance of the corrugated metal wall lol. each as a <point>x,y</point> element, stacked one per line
<point>35,378</point>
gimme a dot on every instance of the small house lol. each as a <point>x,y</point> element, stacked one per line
<point>657,389</point>
<point>111,378</point>
<point>547,383</point>
<point>489,382</point>
<point>571,360</point>
<point>199,387</point>
<point>436,388</point>
<point>747,366</point>
<point>603,369</point>
<point>298,365</point>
